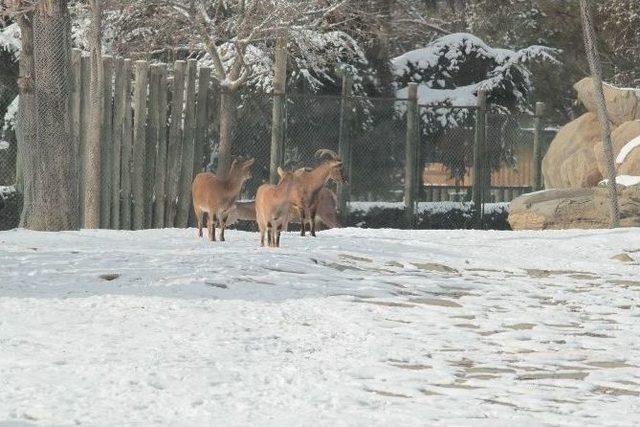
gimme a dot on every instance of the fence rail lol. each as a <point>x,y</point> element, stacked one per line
<point>160,127</point>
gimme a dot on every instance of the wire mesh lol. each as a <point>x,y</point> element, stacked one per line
<point>10,198</point>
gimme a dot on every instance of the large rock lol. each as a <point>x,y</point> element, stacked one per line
<point>573,144</point>
<point>623,105</point>
<point>631,162</point>
<point>573,208</point>
<point>620,137</point>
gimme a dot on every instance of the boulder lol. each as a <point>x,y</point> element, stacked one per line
<point>631,163</point>
<point>585,208</point>
<point>619,138</point>
<point>578,136</point>
<point>580,169</point>
<point>623,105</point>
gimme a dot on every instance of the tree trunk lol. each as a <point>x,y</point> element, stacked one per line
<point>379,54</point>
<point>52,178</point>
<point>226,128</point>
<point>26,129</point>
<point>92,172</point>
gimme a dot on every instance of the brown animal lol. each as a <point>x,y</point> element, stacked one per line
<point>326,213</point>
<point>273,203</point>
<point>309,182</point>
<point>216,197</point>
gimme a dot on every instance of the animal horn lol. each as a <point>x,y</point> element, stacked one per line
<point>326,152</point>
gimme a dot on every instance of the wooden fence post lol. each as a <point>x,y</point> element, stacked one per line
<point>106,143</point>
<point>344,145</point>
<point>411,155</point>
<point>139,143</point>
<point>127,146</point>
<point>536,167</point>
<point>278,113</point>
<point>201,158</point>
<point>188,146</point>
<point>76,118</point>
<point>479,158</point>
<point>161,158</point>
<point>85,110</point>
<point>174,148</point>
<point>118,123</point>
<point>151,145</point>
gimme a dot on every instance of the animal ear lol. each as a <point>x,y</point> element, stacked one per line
<point>280,172</point>
<point>337,164</point>
<point>234,162</point>
<point>250,162</point>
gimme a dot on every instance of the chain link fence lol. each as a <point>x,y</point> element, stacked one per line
<point>150,135</point>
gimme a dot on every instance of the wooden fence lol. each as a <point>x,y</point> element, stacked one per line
<point>155,130</point>
<point>154,138</point>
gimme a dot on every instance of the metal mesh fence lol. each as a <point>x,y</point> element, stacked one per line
<point>10,199</point>
<point>374,130</point>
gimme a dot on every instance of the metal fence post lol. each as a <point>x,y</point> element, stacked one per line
<point>344,145</point>
<point>278,113</point>
<point>536,167</point>
<point>479,164</point>
<point>411,155</point>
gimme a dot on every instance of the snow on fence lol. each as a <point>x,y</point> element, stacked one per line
<point>160,127</point>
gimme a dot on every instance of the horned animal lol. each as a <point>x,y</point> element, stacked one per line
<point>216,197</point>
<point>309,182</point>
<point>273,203</point>
<point>326,212</point>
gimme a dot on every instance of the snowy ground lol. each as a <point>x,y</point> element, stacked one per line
<point>355,327</point>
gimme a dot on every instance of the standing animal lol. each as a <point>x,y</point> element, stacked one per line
<point>326,212</point>
<point>309,182</point>
<point>216,197</point>
<point>273,203</point>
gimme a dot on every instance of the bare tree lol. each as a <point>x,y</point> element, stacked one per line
<point>229,29</point>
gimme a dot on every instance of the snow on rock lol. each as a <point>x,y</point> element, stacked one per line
<point>627,149</point>
<point>362,327</point>
<point>625,180</point>
<point>4,145</point>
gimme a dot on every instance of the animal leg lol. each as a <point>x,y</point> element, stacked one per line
<point>303,221</point>
<point>199,218</point>
<point>211,227</point>
<point>223,226</point>
<point>278,238</point>
<point>312,218</point>
<point>269,235</point>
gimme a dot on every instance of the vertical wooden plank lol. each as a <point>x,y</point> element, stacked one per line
<point>411,147</point>
<point>536,166</point>
<point>479,157</point>
<point>188,141</point>
<point>174,149</point>
<point>116,141</point>
<point>151,144</point>
<point>344,145</point>
<point>106,144</point>
<point>76,108</point>
<point>201,158</point>
<point>161,158</point>
<point>139,142</point>
<point>127,147</point>
<point>85,104</point>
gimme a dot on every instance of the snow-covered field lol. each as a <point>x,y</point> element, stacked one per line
<point>355,327</point>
